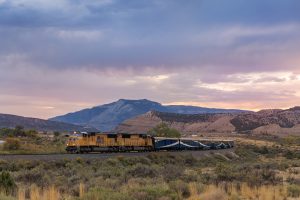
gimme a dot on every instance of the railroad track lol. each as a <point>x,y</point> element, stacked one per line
<point>51,157</point>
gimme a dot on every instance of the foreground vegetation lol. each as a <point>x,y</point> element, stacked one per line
<point>264,168</point>
<point>251,172</point>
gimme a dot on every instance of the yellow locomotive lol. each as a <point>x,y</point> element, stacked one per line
<point>100,142</point>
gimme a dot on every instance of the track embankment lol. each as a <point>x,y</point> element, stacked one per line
<point>51,157</point>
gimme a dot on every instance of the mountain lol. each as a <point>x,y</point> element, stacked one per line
<point>107,117</point>
<point>276,122</point>
<point>11,121</point>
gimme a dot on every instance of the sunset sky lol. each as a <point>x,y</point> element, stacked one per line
<point>58,56</point>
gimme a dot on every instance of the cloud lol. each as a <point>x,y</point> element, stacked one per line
<point>113,34</point>
<point>79,34</point>
<point>242,54</point>
<point>69,90</point>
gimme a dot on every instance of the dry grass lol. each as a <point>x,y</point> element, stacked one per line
<point>81,190</point>
<point>21,194</point>
<point>243,191</point>
<point>36,193</point>
<point>226,191</point>
<point>51,194</point>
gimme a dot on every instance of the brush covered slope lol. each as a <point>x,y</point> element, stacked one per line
<point>278,122</point>
<point>107,117</point>
<point>185,123</point>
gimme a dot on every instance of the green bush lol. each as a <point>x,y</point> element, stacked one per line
<point>4,132</point>
<point>31,133</point>
<point>56,133</point>
<point>163,130</point>
<point>18,131</point>
<point>294,191</point>
<point>7,183</point>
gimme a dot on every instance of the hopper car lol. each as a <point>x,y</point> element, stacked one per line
<point>122,142</point>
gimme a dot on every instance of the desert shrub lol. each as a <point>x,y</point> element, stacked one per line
<point>12,144</point>
<point>131,161</point>
<point>4,197</point>
<point>4,132</point>
<point>246,153</point>
<point>18,131</point>
<point>294,191</point>
<point>292,154</point>
<point>105,194</point>
<point>224,172</point>
<point>7,183</point>
<point>79,160</point>
<point>253,174</point>
<point>31,176</point>
<point>112,162</point>
<point>30,133</point>
<point>56,133</point>
<point>170,159</point>
<point>171,172</point>
<point>153,192</point>
<point>181,188</point>
<point>190,160</point>
<point>290,140</point>
<point>142,171</point>
<point>213,160</point>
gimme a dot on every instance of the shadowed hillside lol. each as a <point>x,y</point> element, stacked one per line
<point>11,121</point>
<point>283,118</point>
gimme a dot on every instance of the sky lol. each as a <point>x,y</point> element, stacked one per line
<point>60,56</point>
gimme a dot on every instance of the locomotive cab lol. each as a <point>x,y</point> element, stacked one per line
<point>72,143</point>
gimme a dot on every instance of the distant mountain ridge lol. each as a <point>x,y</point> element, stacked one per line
<point>11,121</point>
<point>106,117</point>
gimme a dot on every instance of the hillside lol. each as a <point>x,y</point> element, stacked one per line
<point>107,117</point>
<point>11,121</point>
<point>185,123</point>
<point>278,122</point>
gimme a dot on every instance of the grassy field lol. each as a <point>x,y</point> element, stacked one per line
<point>252,171</point>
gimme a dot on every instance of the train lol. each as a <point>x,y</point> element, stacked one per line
<point>123,142</point>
